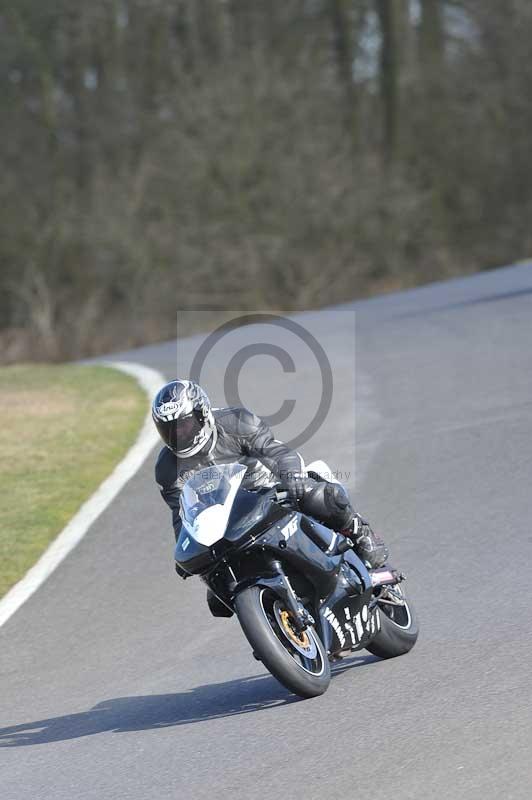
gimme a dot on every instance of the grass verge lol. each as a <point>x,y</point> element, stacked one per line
<point>63,429</point>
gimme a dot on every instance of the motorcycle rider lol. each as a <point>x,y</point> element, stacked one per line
<point>195,436</point>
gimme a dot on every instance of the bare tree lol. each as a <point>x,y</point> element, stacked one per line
<point>163,153</point>
<point>431,40</point>
<point>388,13</point>
<point>340,12</point>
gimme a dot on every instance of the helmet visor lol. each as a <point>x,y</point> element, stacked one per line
<point>179,434</point>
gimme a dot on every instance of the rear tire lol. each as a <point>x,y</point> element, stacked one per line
<point>395,638</point>
<point>258,611</point>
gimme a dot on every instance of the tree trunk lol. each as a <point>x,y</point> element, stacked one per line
<point>389,76</point>
<point>343,46</point>
<point>431,40</point>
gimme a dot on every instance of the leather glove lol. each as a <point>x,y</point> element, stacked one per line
<point>295,483</point>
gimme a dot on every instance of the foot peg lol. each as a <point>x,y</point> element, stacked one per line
<point>385,577</point>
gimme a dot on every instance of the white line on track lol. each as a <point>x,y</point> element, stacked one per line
<point>150,380</point>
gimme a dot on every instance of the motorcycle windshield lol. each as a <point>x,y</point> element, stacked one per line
<point>207,499</point>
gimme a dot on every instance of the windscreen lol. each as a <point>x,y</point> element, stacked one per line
<point>209,487</point>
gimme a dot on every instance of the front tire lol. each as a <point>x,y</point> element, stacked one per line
<point>399,627</point>
<point>298,661</point>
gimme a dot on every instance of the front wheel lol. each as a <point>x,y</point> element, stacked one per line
<point>399,627</point>
<point>297,660</point>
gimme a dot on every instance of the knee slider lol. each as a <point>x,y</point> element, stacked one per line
<point>338,505</point>
<point>336,496</point>
<point>328,503</point>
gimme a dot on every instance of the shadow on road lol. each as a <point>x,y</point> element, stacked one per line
<point>122,714</point>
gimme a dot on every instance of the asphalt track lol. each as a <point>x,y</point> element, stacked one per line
<point>117,683</point>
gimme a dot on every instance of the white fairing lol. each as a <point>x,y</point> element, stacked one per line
<point>322,469</point>
<point>205,518</point>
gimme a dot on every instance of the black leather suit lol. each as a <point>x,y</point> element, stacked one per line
<point>242,436</point>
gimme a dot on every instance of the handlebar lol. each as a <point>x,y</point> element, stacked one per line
<point>281,497</point>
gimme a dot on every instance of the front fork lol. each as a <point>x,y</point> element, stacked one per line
<point>280,585</point>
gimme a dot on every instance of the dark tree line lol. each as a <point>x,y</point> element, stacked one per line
<point>163,154</point>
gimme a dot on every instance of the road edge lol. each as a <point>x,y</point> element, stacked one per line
<point>150,380</point>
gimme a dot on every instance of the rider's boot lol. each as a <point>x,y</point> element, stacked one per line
<point>367,544</point>
<point>329,503</point>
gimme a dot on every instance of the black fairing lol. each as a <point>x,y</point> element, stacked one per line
<point>193,557</point>
<point>251,514</point>
<point>268,545</point>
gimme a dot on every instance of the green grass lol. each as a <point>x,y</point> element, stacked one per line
<point>62,430</point>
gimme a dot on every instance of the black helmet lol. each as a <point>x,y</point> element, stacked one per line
<point>182,414</point>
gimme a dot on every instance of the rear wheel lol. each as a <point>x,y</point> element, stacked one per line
<point>297,659</point>
<point>399,627</point>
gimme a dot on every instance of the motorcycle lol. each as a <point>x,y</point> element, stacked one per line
<point>301,594</point>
